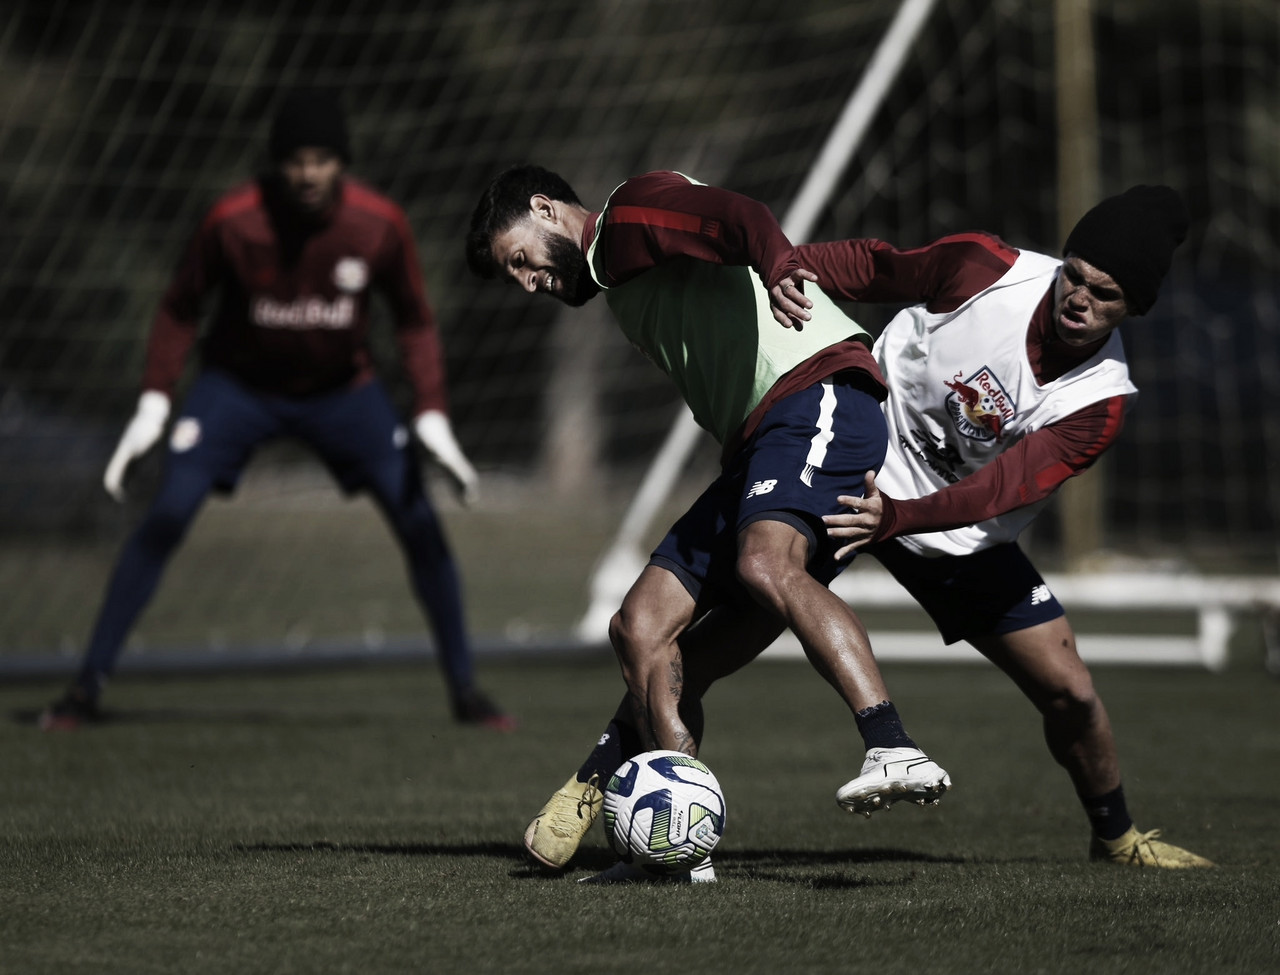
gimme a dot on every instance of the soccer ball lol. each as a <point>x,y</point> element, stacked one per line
<point>663,811</point>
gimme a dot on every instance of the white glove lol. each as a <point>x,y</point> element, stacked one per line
<point>139,436</point>
<point>433,429</point>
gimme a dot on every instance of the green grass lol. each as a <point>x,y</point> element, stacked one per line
<point>335,821</point>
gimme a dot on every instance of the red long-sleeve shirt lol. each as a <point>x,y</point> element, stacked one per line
<point>661,215</point>
<point>942,276</point>
<point>293,310</point>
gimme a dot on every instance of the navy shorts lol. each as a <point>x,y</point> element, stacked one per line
<point>811,447</point>
<point>355,431</point>
<point>991,592</point>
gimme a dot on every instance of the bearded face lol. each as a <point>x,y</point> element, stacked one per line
<point>572,282</point>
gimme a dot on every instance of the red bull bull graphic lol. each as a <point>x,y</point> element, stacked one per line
<point>979,405</point>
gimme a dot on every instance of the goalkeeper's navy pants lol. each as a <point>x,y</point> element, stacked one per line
<point>355,432</point>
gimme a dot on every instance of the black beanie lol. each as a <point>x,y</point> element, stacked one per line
<point>1132,238</point>
<point>309,118</point>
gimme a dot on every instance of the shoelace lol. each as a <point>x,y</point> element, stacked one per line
<point>1144,839</point>
<point>560,821</point>
<point>590,795</point>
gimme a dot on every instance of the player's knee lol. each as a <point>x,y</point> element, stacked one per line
<point>1073,701</point>
<point>165,525</point>
<point>765,576</point>
<point>634,644</point>
<point>626,635</point>
<point>419,529</point>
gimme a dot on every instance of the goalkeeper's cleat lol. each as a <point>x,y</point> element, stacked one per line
<point>630,873</point>
<point>553,837</point>
<point>1135,849</point>
<point>69,712</point>
<point>473,706</point>
<point>892,775</point>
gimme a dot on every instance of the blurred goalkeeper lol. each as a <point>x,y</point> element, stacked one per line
<point>704,282</point>
<point>294,257</point>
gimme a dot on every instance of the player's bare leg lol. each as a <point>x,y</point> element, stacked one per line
<point>1044,663</point>
<point>771,564</point>
<point>772,556</point>
<point>1042,660</point>
<point>722,641</point>
<point>645,635</point>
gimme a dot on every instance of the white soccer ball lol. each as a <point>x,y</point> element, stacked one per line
<point>663,811</point>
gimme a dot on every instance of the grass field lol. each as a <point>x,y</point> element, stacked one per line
<point>337,821</point>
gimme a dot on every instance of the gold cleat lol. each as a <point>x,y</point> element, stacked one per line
<point>553,837</point>
<point>1135,849</point>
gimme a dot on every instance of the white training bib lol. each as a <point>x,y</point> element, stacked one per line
<point>961,392</point>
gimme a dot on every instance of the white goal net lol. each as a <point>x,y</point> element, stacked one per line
<point>123,121</point>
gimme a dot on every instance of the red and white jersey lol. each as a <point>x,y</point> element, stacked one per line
<point>963,391</point>
<point>293,301</point>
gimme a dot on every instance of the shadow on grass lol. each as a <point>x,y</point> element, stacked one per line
<point>508,850</point>
<point>778,866</point>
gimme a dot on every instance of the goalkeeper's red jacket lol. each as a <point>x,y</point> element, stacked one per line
<point>293,311</point>
<point>942,276</point>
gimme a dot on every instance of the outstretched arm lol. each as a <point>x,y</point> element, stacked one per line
<point>942,275</point>
<point>1028,472</point>
<point>173,333</point>
<point>654,218</point>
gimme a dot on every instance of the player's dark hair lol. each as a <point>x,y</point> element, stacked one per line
<point>504,202</point>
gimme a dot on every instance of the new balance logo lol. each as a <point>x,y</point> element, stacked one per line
<point>762,487</point>
<point>1040,594</point>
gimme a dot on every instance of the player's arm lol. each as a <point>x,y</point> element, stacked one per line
<point>419,340</point>
<point>941,275</point>
<point>173,333</point>
<point>1027,472</point>
<point>660,216</point>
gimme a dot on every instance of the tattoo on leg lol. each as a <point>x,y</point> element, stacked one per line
<point>686,743</point>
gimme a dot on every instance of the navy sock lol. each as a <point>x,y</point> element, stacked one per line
<point>618,743</point>
<point>881,727</point>
<point>1108,814</point>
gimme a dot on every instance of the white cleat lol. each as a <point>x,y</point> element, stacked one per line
<point>892,775</point>
<point>628,873</point>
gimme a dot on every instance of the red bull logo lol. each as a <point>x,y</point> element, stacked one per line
<point>979,405</point>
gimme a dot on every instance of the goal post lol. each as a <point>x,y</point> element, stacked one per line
<point>625,558</point>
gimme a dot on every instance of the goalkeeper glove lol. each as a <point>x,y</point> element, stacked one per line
<point>433,429</point>
<point>139,436</point>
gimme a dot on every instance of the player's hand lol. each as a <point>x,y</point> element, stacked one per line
<point>436,434</point>
<point>139,436</point>
<point>786,299</point>
<point>860,523</point>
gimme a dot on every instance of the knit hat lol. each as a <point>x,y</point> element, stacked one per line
<point>309,118</point>
<point>1132,237</point>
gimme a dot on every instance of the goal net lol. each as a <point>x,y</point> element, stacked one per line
<point>966,138</point>
<point>123,122</point>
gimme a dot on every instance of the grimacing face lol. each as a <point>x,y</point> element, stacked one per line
<point>542,258</point>
<point>1088,304</point>
<point>311,175</point>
